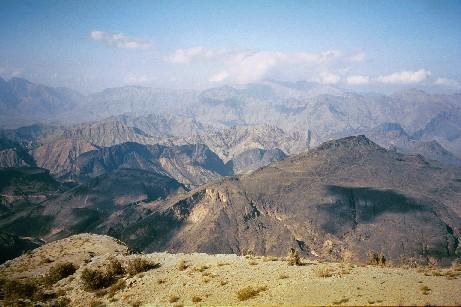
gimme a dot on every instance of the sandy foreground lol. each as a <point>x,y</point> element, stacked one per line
<point>201,279</point>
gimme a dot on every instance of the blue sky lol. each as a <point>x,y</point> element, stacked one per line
<point>363,45</point>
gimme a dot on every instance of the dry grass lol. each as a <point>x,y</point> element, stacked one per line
<point>119,285</point>
<point>223,263</point>
<point>249,292</point>
<point>201,268</point>
<point>283,276</point>
<point>270,258</point>
<point>252,262</point>
<point>140,265</point>
<point>293,257</point>
<point>60,271</point>
<point>375,258</point>
<point>181,265</point>
<point>324,271</point>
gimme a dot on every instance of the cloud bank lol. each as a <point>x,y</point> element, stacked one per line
<point>405,77</point>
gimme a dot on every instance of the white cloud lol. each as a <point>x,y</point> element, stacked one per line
<point>119,40</point>
<point>450,83</point>
<point>246,66</point>
<point>189,54</point>
<point>329,78</point>
<point>219,77</point>
<point>404,77</point>
<point>357,80</point>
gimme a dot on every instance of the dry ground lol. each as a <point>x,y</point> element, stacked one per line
<point>186,279</point>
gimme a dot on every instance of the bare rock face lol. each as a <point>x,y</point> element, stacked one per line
<point>191,165</point>
<point>13,154</point>
<point>337,199</point>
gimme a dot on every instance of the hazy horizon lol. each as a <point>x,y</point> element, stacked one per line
<point>379,46</point>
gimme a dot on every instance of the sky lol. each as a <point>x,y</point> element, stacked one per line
<point>358,45</point>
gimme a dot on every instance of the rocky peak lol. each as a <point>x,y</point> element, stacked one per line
<point>351,142</point>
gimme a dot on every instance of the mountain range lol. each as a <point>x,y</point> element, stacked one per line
<point>260,167</point>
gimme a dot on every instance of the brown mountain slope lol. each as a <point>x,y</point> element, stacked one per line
<point>346,197</point>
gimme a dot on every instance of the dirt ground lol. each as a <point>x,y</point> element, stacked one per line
<point>188,279</point>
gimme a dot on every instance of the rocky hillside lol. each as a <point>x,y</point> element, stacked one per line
<point>338,198</point>
<point>87,270</point>
<point>13,154</point>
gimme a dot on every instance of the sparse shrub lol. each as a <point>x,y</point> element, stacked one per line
<point>60,271</point>
<point>346,256</point>
<point>247,252</point>
<point>119,285</point>
<point>60,302</point>
<point>96,303</point>
<point>173,299</point>
<point>324,271</point>
<point>201,268</point>
<point>114,267</point>
<point>96,279</point>
<point>139,265</point>
<point>181,265</point>
<point>223,263</point>
<point>374,258</point>
<point>425,290</point>
<point>223,282</point>
<point>293,257</point>
<point>249,292</point>
<point>341,301</point>
<point>196,299</point>
<point>14,290</point>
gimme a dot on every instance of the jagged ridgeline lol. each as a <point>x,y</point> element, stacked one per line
<point>345,198</point>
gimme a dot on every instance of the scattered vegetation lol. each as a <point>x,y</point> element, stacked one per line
<point>324,271</point>
<point>223,263</point>
<point>114,267</point>
<point>139,265</point>
<point>270,258</point>
<point>181,265</point>
<point>201,268</point>
<point>223,282</point>
<point>196,299</point>
<point>94,279</point>
<point>60,271</point>
<point>374,258</point>
<point>341,301</point>
<point>249,292</point>
<point>293,257</point>
<point>119,285</point>
<point>425,290</point>
<point>173,299</point>
<point>14,290</point>
<point>252,262</point>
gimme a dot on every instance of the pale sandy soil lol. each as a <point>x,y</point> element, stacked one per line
<point>216,280</point>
